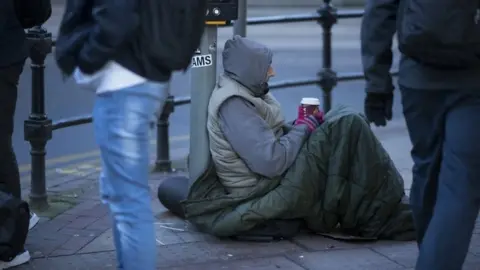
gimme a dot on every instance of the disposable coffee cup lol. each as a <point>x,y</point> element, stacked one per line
<point>310,106</point>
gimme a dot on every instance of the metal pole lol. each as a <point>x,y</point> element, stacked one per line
<point>38,127</point>
<point>328,78</point>
<point>240,25</point>
<point>203,78</point>
<point>163,162</point>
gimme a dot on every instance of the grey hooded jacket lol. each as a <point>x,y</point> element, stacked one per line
<point>378,28</point>
<point>266,150</point>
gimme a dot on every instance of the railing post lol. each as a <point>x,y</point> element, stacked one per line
<point>240,25</point>
<point>328,77</point>
<point>163,162</point>
<point>38,127</point>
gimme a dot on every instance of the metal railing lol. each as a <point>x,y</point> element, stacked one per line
<point>38,128</point>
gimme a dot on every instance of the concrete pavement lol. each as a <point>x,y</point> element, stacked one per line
<point>76,234</point>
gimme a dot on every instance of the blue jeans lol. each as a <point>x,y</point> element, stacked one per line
<point>445,193</point>
<point>123,122</point>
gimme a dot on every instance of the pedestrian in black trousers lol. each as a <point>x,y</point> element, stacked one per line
<point>13,53</point>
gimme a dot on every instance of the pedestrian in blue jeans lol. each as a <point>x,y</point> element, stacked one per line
<point>441,106</point>
<point>122,122</point>
<point>126,106</point>
<point>97,45</point>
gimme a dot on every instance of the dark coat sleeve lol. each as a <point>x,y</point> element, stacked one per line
<point>115,22</point>
<point>377,31</point>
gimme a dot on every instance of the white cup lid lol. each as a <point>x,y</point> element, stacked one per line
<point>310,101</point>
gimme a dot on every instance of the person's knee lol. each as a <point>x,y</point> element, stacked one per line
<point>460,174</point>
<point>462,135</point>
<point>345,114</point>
<point>460,169</point>
<point>357,122</point>
<point>127,193</point>
<point>345,121</point>
<point>130,209</point>
<point>358,118</point>
<point>172,192</point>
<point>461,127</point>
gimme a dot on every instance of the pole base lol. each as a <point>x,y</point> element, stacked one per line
<point>163,166</point>
<point>39,203</point>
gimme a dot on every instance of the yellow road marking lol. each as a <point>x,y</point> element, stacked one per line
<point>66,171</point>
<point>85,166</point>
<point>72,169</point>
<point>78,169</point>
<point>90,154</point>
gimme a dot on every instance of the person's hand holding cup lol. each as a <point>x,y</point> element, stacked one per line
<point>309,113</point>
<point>310,106</point>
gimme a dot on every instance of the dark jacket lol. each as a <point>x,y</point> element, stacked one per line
<point>94,32</point>
<point>378,28</point>
<point>13,45</point>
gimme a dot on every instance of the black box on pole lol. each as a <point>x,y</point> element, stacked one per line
<point>222,10</point>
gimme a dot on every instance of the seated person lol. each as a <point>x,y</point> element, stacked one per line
<point>332,173</point>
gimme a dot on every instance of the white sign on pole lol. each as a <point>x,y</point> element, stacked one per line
<point>204,60</point>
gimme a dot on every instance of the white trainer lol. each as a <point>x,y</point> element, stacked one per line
<point>34,219</point>
<point>21,258</point>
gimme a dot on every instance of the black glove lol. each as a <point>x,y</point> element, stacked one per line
<point>378,108</point>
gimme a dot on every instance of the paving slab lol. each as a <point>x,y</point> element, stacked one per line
<point>313,242</point>
<point>349,259</point>
<point>406,254</point>
<point>103,260</point>
<point>274,263</point>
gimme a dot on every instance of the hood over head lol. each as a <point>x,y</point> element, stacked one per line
<point>247,62</point>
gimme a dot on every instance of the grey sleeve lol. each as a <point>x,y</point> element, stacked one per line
<point>288,126</point>
<point>255,142</point>
<point>376,34</point>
